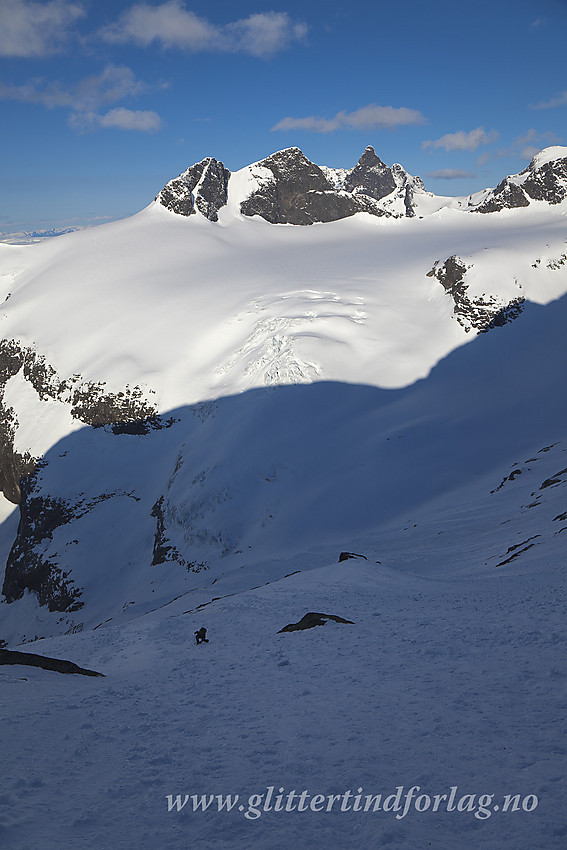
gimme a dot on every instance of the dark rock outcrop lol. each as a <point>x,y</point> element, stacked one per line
<point>162,551</point>
<point>345,556</point>
<point>301,193</point>
<point>203,187</point>
<point>546,182</point>
<point>481,313</point>
<point>293,190</point>
<point>13,464</point>
<point>507,195</point>
<point>28,567</point>
<point>370,176</point>
<point>31,659</point>
<point>127,411</point>
<point>313,619</point>
<point>94,405</point>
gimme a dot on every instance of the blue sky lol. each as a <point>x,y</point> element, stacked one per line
<point>104,101</point>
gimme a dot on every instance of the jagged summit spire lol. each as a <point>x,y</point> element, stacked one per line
<point>203,187</point>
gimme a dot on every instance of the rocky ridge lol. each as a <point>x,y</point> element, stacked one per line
<point>290,189</point>
<point>287,188</point>
<point>481,313</point>
<point>203,187</point>
<point>543,180</point>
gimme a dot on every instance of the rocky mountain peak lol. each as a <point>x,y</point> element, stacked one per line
<point>370,176</point>
<point>288,188</point>
<point>295,172</point>
<point>300,192</point>
<point>201,188</point>
<point>544,179</point>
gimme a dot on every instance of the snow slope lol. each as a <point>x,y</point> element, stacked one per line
<point>313,390</point>
<point>452,676</point>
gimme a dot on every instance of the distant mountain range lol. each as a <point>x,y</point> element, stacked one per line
<point>24,237</point>
<point>206,394</point>
<point>287,188</point>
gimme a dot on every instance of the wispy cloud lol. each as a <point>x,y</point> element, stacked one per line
<point>172,25</point>
<point>366,118</point>
<point>531,142</point>
<point>88,96</point>
<point>559,100</point>
<point>450,174</point>
<point>524,146</point>
<point>113,84</point>
<point>144,121</point>
<point>30,29</point>
<point>461,141</point>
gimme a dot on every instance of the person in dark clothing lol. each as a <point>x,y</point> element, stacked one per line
<point>200,636</point>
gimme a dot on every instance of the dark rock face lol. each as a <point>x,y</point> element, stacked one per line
<point>482,313</point>
<point>374,178</point>
<point>90,403</point>
<point>333,206</point>
<point>204,186</point>
<point>12,464</point>
<point>371,176</point>
<point>409,201</point>
<point>28,567</point>
<point>162,551</point>
<point>296,191</point>
<point>505,314</point>
<point>547,182</point>
<point>301,193</point>
<point>93,406</point>
<point>312,619</point>
<point>507,195</point>
<point>31,659</point>
<point>294,194</point>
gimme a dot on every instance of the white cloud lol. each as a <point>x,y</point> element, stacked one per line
<point>87,97</point>
<point>450,174</point>
<point>529,152</point>
<point>173,26</point>
<point>113,84</point>
<point>461,141</point>
<point>365,118</point>
<point>143,121</point>
<point>525,146</point>
<point>560,100</point>
<point>30,29</point>
<point>312,124</point>
<point>533,140</point>
<point>264,34</point>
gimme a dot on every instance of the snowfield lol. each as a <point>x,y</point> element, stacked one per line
<point>307,392</point>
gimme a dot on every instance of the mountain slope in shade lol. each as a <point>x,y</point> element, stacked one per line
<point>248,484</point>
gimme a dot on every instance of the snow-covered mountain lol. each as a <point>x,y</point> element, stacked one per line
<point>25,237</point>
<point>202,407</point>
<point>170,347</point>
<point>287,188</point>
